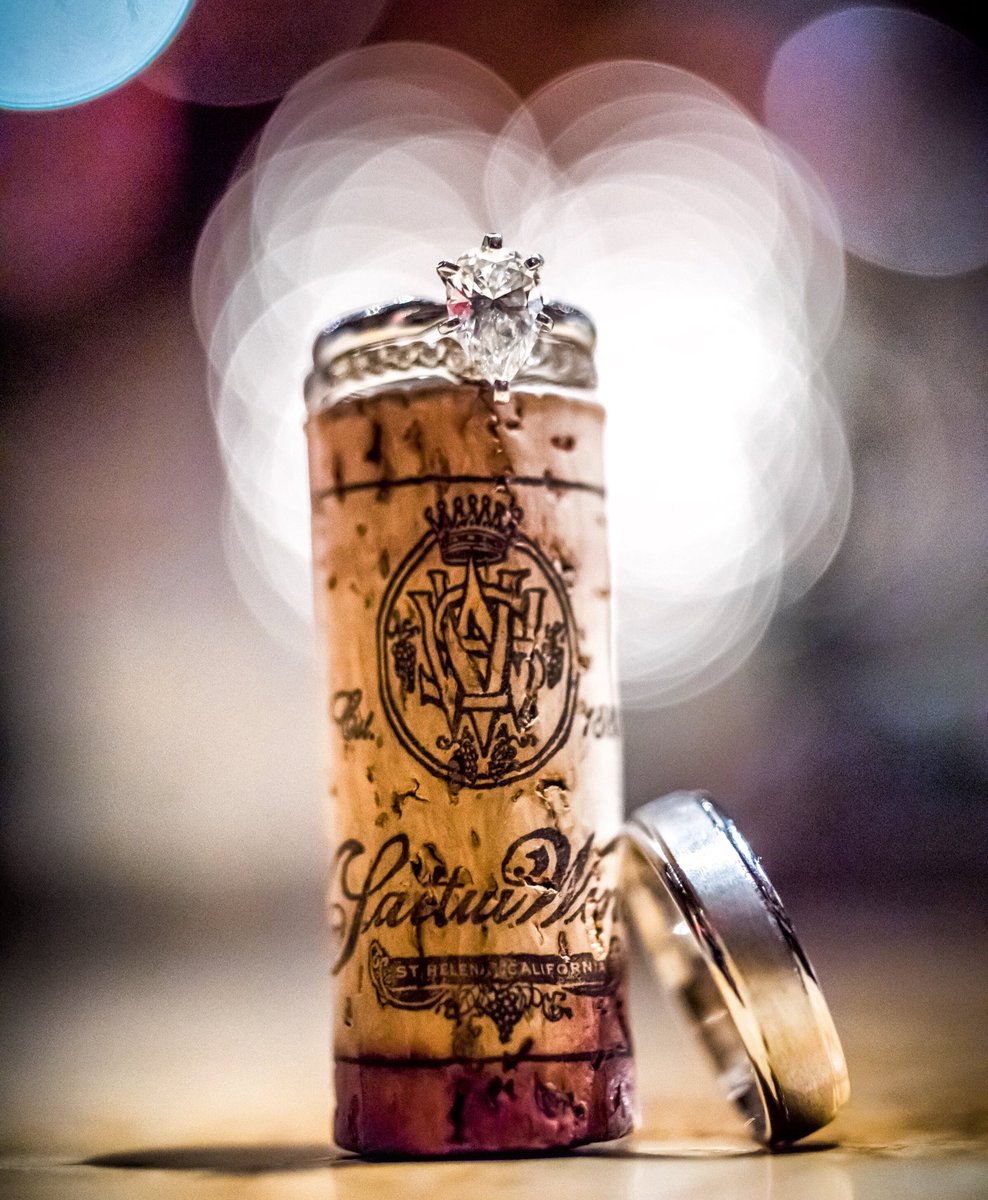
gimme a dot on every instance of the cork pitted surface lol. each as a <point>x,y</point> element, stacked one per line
<point>462,581</point>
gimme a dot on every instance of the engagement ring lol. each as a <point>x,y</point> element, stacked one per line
<point>494,329</point>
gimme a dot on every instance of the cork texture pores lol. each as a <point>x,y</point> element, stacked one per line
<point>462,584</point>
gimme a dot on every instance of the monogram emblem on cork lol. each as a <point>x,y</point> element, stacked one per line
<point>476,647</point>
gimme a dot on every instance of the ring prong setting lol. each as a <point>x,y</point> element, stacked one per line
<point>494,309</point>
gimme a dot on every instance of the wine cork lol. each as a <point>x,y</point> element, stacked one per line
<point>462,584</point>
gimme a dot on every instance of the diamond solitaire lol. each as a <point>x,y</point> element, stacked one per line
<point>495,309</point>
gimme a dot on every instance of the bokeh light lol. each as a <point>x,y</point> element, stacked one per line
<point>54,53</point>
<point>889,108</point>
<point>711,264</point>
<point>233,52</point>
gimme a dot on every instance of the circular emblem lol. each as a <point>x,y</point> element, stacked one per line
<point>476,648</point>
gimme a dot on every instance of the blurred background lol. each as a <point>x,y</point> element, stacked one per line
<point>162,849</point>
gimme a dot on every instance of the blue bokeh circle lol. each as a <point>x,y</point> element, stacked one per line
<point>56,53</point>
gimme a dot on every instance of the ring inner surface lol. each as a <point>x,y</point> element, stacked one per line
<point>665,932</point>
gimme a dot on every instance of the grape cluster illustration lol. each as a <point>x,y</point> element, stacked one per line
<point>465,760</point>
<point>503,753</point>
<point>505,1004</point>
<point>404,653</point>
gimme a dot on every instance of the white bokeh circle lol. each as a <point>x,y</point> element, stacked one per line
<point>707,256</point>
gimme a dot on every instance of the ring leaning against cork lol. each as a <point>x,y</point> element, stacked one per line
<point>720,940</point>
<point>494,327</point>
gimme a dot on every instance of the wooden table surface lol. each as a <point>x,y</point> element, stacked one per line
<point>201,1072</point>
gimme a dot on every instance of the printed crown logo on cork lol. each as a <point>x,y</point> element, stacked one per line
<point>478,530</point>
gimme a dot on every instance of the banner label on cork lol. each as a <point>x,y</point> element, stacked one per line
<point>501,987</point>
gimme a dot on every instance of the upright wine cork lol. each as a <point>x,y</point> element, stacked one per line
<point>462,582</point>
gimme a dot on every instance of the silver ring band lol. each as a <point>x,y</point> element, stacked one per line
<point>400,343</point>
<point>720,939</point>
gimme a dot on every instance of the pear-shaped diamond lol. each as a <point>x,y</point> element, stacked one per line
<point>493,295</point>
